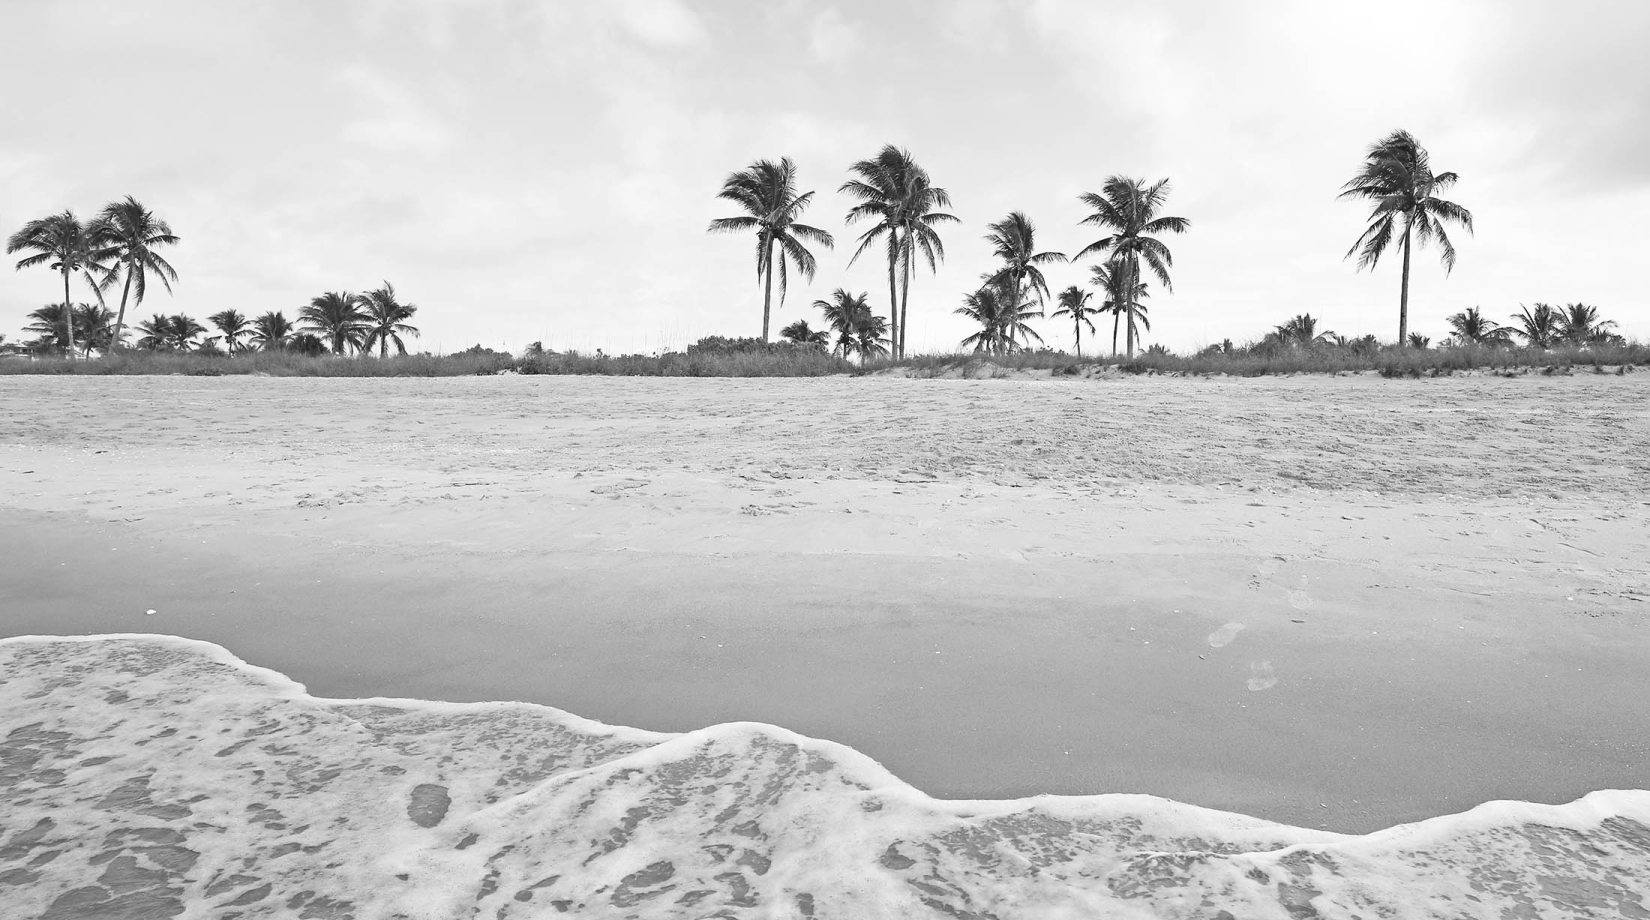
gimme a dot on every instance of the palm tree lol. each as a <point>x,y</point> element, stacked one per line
<point>232,324</point>
<point>1302,332</point>
<point>270,331</point>
<point>767,190</point>
<point>799,333</point>
<point>1110,278</point>
<point>1013,240</point>
<point>1539,328</point>
<point>1074,302</point>
<point>1397,176</point>
<point>1419,341</point>
<point>1472,327</point>
<point>336,317</point>
<point>897,193</point>
<point>387,320</point>
<point>857,330</point>
<point>51,327</point>
<point>133,234</point>
<point>1129,209</point>
<point>68,246</point>
<point>1580,325</point>
<point>1001,312</point>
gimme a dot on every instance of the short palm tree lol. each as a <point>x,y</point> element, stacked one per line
<point>133,235</point>
<point>270,331</point>
<point>1013,239</point>
<point>1580,325</point>
<point>1419,341</point>
<point>51,328</point>
<point>233,325</point>
<point>386,320</point>
<point>857,330</point>
<point>1472,327</point>
<point>1540,327</point>
<point>1302,332</point>
<point>1397,177</point>
<point>767,192</point>
<point>800,333</point>
<point>1130,210</point>
<point>1110,278</point>
<point>1074,302</point>
<point>68,246</point>
<point>1001,312</point>
<point>336,317</point>
<point>899,195</point>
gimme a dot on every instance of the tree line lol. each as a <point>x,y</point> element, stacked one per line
<point>903,204</point>
<point>119,247</point>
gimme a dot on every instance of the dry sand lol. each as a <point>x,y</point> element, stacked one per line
<point>1336,602</point>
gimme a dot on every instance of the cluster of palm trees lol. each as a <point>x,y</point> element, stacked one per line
<point>117,247</point>
<point>899,198</point>
<point>1543,326</point>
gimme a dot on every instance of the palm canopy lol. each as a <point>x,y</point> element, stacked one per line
<point>337,318</point>
<point>271,331</point>
<point>1579,324</point>
<point>1302,331</point>
<point>1472,327</point>
<point>169,333</point>
<point>1129,208</point>
<point>1539,328</point>
<point>896,193</point>
<point>1074,302</point>
<point>1405,209</point>
<point>68,246</point>
<point>51,325</point>
<point>800,333</point>
<point>133,234</point>
<point>232,324</point>
<point>857,330</point>
<point>1013,239</point>
<point>386,320</point>
<point>767,192</point>
<point>1001,311</point>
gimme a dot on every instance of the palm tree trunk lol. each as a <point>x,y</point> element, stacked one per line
<point>68,309</point>
<point>1134,269</point>
<point>905,297</point>
<point>1079,340</point>
<point>120,319</point>
<point>893,296</point>
<point>767,289</point>
<point>1403,297</point>
<point>1116,318</point>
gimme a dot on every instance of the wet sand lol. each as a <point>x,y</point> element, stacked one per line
<point>996,588</point>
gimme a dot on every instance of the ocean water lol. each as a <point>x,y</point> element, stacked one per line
<point>157,777</point>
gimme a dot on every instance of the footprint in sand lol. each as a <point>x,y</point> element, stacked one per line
<point>1298,598</point>
<point>1223,636</point>
<point>1262,676</point>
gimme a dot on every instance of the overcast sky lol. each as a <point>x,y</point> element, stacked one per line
<point>525,170</point>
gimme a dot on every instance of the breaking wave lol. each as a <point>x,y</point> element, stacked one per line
<point>152,776</point>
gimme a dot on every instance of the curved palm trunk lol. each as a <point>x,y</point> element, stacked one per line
<point>1079,339</point>
<point>1116,320</point>
<point>1403,296</point>
<point>905,297</point>
<point>68,310</point>
<point>120,319</point>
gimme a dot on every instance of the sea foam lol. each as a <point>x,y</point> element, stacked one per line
<point>151,776</point>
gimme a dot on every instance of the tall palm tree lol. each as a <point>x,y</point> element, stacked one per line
<point>1540,327</point>
<point>857,330</point>
<point>270,331</point>
<point>1580,325</point>
<point>1302,332</point>
<point>1110,278</point>
<point>233,325</point>
<point>1002,312</point>
<point>387,320</point>
<point>337,318</point>
<point>1074,302</point>
<point>1013,239</point>
<point>767,191</point>
<point>1472,327</point>
<point>900,196</point>
<point>133,235</point>
<point>68,246</point>
<point>1130,210</point>
<point>1397,176</point>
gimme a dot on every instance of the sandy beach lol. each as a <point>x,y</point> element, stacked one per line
<point>1340,603</point>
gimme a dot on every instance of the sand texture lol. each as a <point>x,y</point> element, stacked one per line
<point>1337,603</point>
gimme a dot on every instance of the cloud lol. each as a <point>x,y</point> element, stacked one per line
<point>660,23</point>
<point>831,38</point>
<point>398,120</point>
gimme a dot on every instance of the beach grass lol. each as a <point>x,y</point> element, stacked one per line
<point>781,361</point>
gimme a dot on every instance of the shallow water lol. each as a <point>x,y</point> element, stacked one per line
<point>151,776</point>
